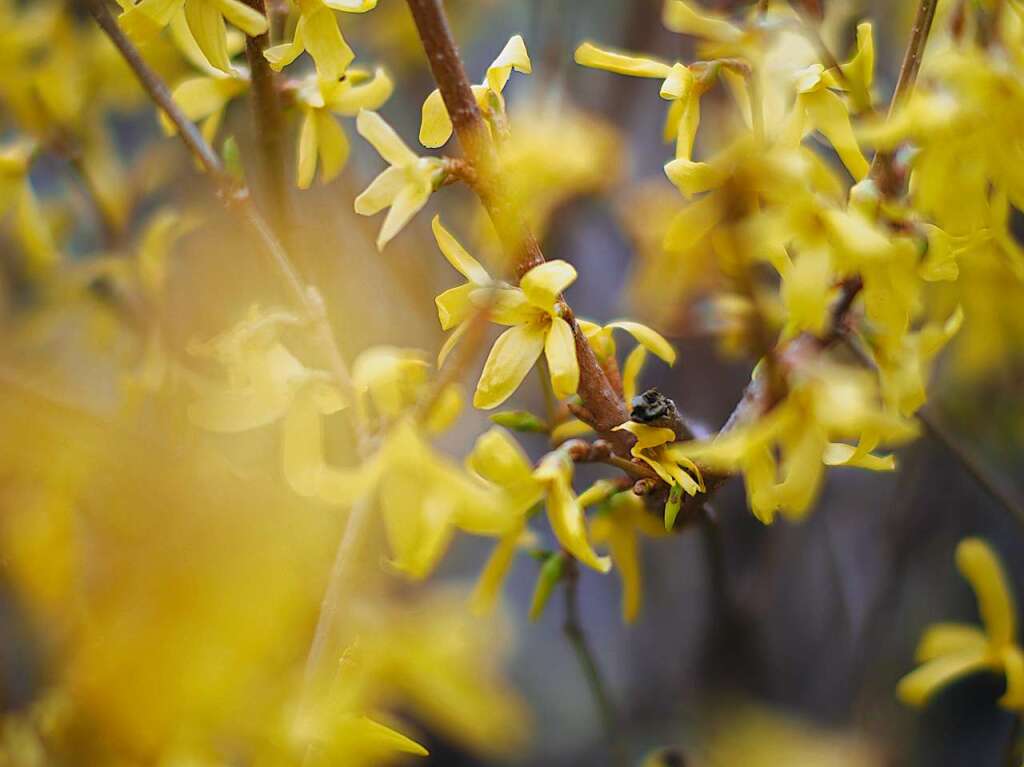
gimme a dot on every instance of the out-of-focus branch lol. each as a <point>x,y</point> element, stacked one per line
<point>601,401</point>
<point>573,629</point>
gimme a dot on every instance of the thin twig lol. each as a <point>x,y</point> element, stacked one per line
<point>995,489</point>
<point>573,629</point>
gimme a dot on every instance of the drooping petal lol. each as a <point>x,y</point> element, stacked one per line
<point>333,144</point>
<point>407,204</point>
<point>322,39</point>
<point>1013,667</point>
<point>949,638</point>
<point>351,6</point>
<point>919,685</point>
<point>631,372</point>
<point>511,358</point>
<point>653,341</point>
<point>247,19</point>
<point>981,567</point>
<point>544,283</point>
<point>498,458</point>
<point>457,256</point>
<point>560,351</point>
<point>589,55</point>
<point>306,163</point>
<point>565,514</point>
<point>207,27</point>
<point>829,116</point>
<point>679,17</point>
<point>488,587</point>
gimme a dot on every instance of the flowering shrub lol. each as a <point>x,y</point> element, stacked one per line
<point>218,494</point>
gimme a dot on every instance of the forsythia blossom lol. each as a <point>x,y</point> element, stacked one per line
<point>404,187</point>
<point>949,651</point>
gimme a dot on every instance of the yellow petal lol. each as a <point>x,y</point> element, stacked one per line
<point>512,56</point>
<point>372,94</point>
<point>322,39</point>
<point>492,577</point>
<point>379,738</point>
<point>435,124</point>
<point>919,685</point>
<point>497,457</point>
<point>622,545</point>
<point>351,6</point>
<point>654,342</point>
<point>981,567</point>
<point>631,372</point>
<point>306,164</point>
<point>454,305</point>
<point>829,116</point>
<point>449,344</point>
<point>382,136</point>
<point>333,145</point>
<point>407,204</point>
<point>247,19</point>
<point>679,17</point>
<point>207,27</point>
<point>589,55</point>
<point>280,56</point>
<point>200,97</point>
<point>568,430</point>
<point>457,256</point>
<point>381,192</point>
<point>511,358</point>
<point>693,223</point>
<point>446,410</point>
<point>560,351</point>
<point>949,638</point>
<point>566,516</point>
<point>647,436</point>
<point>1013,666</point>
<point>544,283</point>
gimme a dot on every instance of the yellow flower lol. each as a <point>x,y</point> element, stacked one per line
<point>680,86</point>
<point>321,137</point>
<point>652,447</point>
<point>206,20</point>
<point>782,454</point>
<point>17,195</point>
<point>949,651</point>
<point>616,524</point>
<point>680,17</point>
<point>455,305</point>
<point>436,125</point>
<point>205,98</point>
<point>497,458</point>
<point>534,310</point>
<point>818,108</point>
<point>404,187</point>
<point>317,32</point>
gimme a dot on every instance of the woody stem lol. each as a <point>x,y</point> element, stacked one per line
<point>521,247</point>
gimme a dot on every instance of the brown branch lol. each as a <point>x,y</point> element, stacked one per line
<point>270,126</point>
<point>521,247</point>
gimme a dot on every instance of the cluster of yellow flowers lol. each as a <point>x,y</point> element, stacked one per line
<point>844,288</point>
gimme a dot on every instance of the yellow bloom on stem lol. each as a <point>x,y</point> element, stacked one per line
<point>404,187</point>
<point>949,651</point>
<point>317,32</point>
<point>206,20</point>
<point>782,454</point>
<point>534,310</point>
<point>678,471</point>
<point>616,523</point>
<point>204,99</point>
<point>436,124</point>
<point>818,108</point>
<point>321,138</point>
<point>497,458</point>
